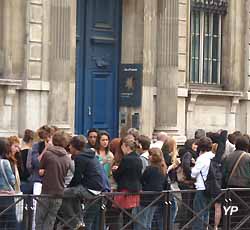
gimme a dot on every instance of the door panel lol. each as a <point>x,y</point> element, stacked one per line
<point>101,44</point>
<point>102,98</point>
<point>103,20</point>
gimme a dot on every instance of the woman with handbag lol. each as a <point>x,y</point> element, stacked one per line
<point>12,156</point>
<point>188,156</point>
<point>170,154</point>
<point>7,183</point>
<point>14,151</point>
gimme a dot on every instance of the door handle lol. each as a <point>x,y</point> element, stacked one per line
<point>89,111</point>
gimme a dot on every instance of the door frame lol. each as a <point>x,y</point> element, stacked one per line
<point>80,67</point>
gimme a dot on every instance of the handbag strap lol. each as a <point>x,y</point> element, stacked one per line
<point>235,166</point>
<point>18,182</point>
<point>5,176</point>
<point>203,179</point>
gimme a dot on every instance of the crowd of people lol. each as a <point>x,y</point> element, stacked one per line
<point>55,163</point>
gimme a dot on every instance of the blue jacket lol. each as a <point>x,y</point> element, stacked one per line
<point>10,176</point>
<point>88,171</point>
<point>33,162</point>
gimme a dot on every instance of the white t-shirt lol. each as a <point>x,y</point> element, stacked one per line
<point>157,144</point>
<point>229,148</point>
<point>201,167</point>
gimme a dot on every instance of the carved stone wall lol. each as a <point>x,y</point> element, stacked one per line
<point>167,65</point>
<point>59,62</point>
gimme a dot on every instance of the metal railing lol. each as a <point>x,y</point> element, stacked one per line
<point>106,212</point>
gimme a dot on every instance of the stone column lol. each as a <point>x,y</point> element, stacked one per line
<point>59,62</point>
<point>7,18</point>
<point>132,47</point>
<point>233,46</point>
<point>149,67</point>
<point>247,45</point>
<point>33,100</point>
<point>1,39</point>
<point>167,66</point>
<point>243,121</point>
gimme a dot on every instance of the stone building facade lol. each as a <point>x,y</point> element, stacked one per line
<point>195,56</point>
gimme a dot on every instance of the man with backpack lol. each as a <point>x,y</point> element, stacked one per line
<point>200,172</point>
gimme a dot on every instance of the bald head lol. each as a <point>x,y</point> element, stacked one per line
<point>162,136</point>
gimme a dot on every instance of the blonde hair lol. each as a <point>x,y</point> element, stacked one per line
<point>13,140</point>
<point>157,160</point>
<point>172,147</point>
<point>214,148</point>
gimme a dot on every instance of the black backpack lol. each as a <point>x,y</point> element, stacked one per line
<point>214,179</point>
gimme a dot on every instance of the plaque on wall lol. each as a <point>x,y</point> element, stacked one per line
<point>130,85</point>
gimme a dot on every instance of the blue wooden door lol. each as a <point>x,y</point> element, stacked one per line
<point>98,56</point>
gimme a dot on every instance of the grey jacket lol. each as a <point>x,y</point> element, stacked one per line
<point>241,175</point>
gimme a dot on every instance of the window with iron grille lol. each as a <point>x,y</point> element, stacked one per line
<point>206,37</point>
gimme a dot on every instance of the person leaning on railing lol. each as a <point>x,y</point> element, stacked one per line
<point>7,183</point>
<point>86,183</point>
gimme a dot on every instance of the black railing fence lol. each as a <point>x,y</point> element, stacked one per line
<point>172,210</point>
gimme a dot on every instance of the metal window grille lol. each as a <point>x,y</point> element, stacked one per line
<point>206,35</point>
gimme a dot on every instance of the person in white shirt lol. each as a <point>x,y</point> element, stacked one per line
<point>199,172</point>
<point>230,148</point>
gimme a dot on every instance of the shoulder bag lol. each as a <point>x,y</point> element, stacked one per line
<point>5,177</point>
<point>235,166</point>
<point>18,200</point>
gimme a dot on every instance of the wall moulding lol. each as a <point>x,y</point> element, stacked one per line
<point>10,86</point>
<point>234,95</point>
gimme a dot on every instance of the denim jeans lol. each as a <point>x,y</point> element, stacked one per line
<point>145,218</point>
<point>161,212</point>
<point>46,212</point>
<point>173,211</point>
<point>200,202</point>
<point>92,216</point>
<point>71,209</point>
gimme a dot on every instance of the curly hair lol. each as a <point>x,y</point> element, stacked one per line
<point>13,140</point>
